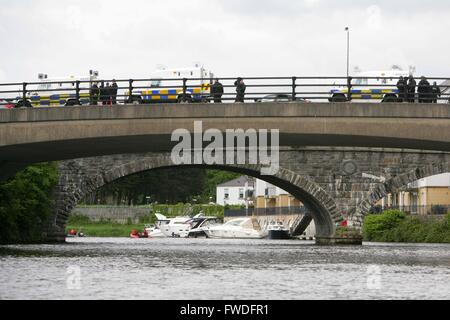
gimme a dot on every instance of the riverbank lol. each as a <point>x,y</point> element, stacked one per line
<point>397,226</point>
<point>101,228</point>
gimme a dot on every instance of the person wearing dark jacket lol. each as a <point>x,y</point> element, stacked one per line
<point>114,89</point>
<point>401,86</point>
<point>240,90</point>
<point>108,94</point>
<point>103,93</point>
<point>424,90</point>
<point>436,92</point>
<point>411,89</point>
<point>217,91</point>
<point>94,94</point>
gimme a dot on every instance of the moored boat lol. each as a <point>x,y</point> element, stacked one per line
<point>277,231</point>
<point>240,228</point>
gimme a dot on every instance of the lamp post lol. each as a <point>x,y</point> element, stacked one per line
<point>348,50</point>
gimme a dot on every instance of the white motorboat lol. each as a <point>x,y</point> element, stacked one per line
<point>154,231</point>
<point>277,230</point>
<point>200,224</point>
<point>240,228</point>
<point>176,227</point>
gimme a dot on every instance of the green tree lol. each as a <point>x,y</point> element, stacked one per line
<point>26,203</point>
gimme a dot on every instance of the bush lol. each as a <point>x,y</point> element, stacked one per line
<point>394,226</point>
<point>78,219</point>
<point>376,225</point>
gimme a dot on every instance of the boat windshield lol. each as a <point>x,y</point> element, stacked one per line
<point>235,222</point>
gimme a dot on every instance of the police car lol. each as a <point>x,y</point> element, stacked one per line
<point>50,92</point>
<point>166,86</point>
<point>371,86</point>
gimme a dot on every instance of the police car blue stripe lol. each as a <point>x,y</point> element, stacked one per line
<point>164,97</point>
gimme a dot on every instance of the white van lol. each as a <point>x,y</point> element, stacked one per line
<point>371,85</point>
<point>168,86</point>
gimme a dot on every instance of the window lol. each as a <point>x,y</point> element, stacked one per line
<point>234,222</point>
<point>227,194</point>
<point>155,83</point>
<point>241,193</point>
<point>361,81</point>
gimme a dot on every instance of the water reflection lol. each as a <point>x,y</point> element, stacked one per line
<point>113,268</point>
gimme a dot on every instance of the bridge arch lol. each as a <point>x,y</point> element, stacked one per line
<point>76,183</point>
<point>395,184</point>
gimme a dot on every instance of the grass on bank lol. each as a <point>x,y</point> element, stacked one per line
<point>103,228</point>
<point>397,226</point>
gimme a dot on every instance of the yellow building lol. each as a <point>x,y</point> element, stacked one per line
<point>425,196</point>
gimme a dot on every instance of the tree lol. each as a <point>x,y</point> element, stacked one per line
<point>26,203</point>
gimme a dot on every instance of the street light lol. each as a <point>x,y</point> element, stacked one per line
<point>348,50</point>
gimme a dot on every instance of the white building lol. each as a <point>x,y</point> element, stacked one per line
<point>236,192</point>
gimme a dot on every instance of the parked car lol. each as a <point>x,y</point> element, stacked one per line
<point>279,98</point>
<point>5,104</point>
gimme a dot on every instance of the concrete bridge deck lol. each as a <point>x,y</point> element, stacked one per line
<point>41,134</point>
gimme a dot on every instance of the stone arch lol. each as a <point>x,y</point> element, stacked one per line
<point>79,182</point>
<point>395,184</point>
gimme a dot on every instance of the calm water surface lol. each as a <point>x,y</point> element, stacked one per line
<point>120,268</point>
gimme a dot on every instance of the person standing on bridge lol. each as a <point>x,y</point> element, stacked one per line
<point>424,90</point>
<point>94,94</point>
<point>436,91</point>
<point>103,93</point>
<point>114,89</point>
<point>217,91</point>
<point>108,94</point>
<point>240,90</point>
<point>411,89</point>
<point>401,86</point>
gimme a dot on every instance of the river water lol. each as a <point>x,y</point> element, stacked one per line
<point>196,269</point>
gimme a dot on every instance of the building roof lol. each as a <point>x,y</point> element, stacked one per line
<point>239,182</point>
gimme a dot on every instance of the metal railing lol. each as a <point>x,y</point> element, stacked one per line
<point>434,209</point>
<point>187,90</point>
<point>273,211</point>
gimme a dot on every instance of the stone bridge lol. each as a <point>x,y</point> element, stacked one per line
<point>329,181</point>
<point>325,148</point>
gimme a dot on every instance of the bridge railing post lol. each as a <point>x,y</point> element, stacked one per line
<point>349,88</point>
<point>24,92</point>
<point>130,90</point>
<point>184,87</point>
<point>294,86</point>
<point>77,91</point>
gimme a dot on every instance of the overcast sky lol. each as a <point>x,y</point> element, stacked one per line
<point>130,38</point>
